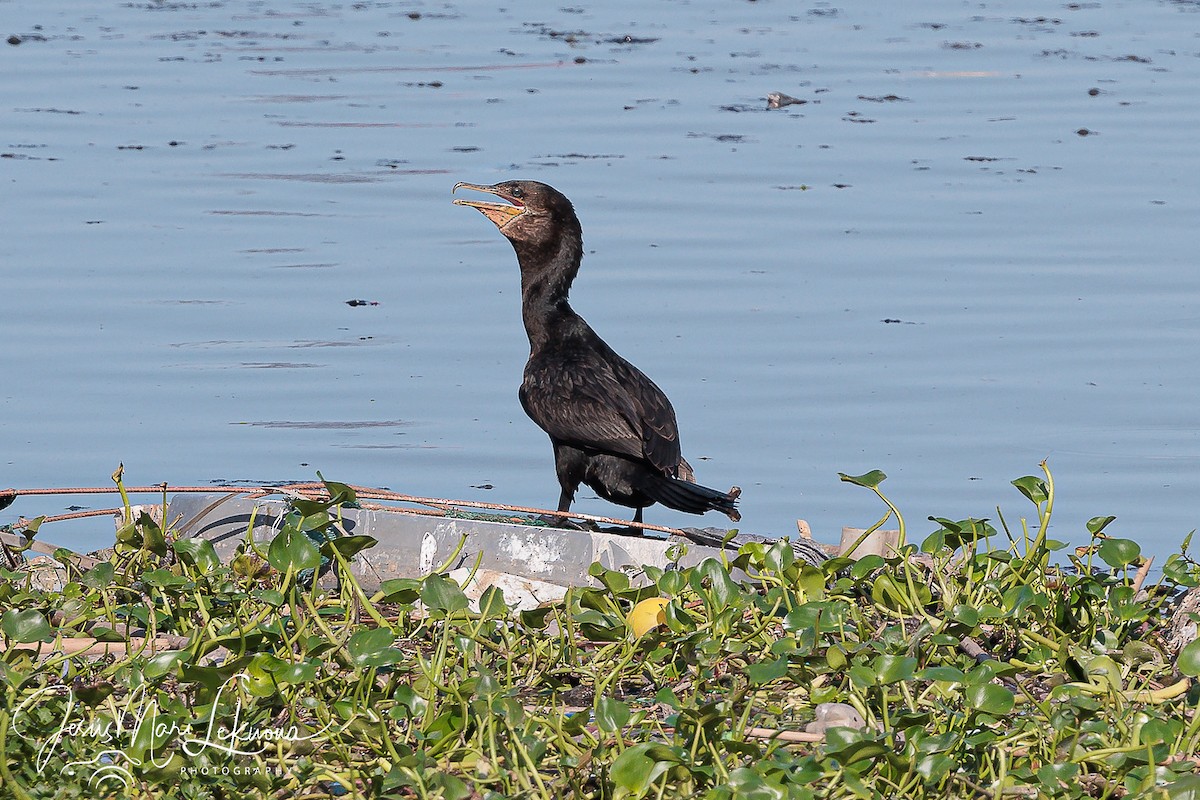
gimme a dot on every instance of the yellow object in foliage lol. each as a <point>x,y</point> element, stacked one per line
<point>646,615</point>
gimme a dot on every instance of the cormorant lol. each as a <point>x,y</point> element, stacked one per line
<point>611,426</point>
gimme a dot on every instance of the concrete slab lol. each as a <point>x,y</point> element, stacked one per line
<point>413,545</point>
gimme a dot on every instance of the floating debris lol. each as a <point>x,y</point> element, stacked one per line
<point>781,100</point>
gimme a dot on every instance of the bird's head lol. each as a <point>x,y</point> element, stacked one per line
<point>534,215</point>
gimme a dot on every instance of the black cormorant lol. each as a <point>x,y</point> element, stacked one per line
<point>611,426</point>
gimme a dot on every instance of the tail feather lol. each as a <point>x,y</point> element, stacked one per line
<point>695,499</point>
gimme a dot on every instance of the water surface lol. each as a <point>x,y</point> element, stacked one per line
<point>970,248</point>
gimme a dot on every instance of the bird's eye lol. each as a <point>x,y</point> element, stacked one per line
<point>516,191</point>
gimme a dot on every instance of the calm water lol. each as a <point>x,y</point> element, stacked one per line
<point>972,247</point>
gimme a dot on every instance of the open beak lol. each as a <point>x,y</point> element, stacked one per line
<point>499,213</point>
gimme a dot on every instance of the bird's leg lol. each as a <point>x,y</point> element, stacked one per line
<point>564,504</point>
<point>564,499</point>
<point>569,465</point>
<point>637,515</point>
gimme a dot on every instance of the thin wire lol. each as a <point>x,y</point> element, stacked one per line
<point>312,491</point>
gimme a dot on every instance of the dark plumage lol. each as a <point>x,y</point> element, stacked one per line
<point>611,426</point>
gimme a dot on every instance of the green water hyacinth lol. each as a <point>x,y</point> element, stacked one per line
<point>984,660</point>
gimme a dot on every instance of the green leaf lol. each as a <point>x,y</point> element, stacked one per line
<point>866,565</point>
<point>30,529</point>
<point>1160,731</point>
<point>302,508</point>
<point>1058,776</point>
<point>164,663</point>
<point>935,766</point>
<point>128,534</point>
<point>197,552</point>
<point>806,617</point>
<point>103,633</point>
<point>153,538</point>
<point>212,677</point>
<point>991,669</point>
<point>1097,524</point>
<point>451,787</point>
<point>1189,659</point>
<point>893,669</point>
<point>954,535</point>
<point>614,580</point>
<point>29,625</point>
<point>298,672</point>
<point>291,549</point>
<point>99,576</point>
<point>868,480</point>
<point>400,590</point>
<point>535,618</point>
<point>1104,671</point>
<point>711,579</point>
<point>990,698</point>
<point>163,578</point>
<point>967,615</point>
<point>671,582</point>
<point>779,556</point>
<point>94,694</point>
<point>491,603</point>
<point>1186,787</point>
<point>668,698</point>
<point>812,581</point>
<point>1019,598</point>
<point>936,541</point>
<point>861,677</point>
<point>1033,488</point>
<point>372,647</point>
<point>339,493</point>
<point>272,597</point>
<point>764,672</point>
<point>408,702</point>
<point>147,738</point>
<point>942,673</point>
<point>639,766</point>
<point>885,591</point>
<point>1119,552</point>
<point>848,745</point>
<point>348,546</point>
<point>750,784</point>
<point>442,594</point>
<point>611,715</point>
<point>836,658</point>
<point>1177,570</point>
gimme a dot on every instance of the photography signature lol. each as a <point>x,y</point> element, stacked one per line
<point>138,725</point>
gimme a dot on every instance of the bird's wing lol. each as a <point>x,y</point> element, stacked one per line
<point>660,433</point>
<point>610,406</point>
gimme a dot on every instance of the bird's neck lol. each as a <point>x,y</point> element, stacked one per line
<point>546,276</point>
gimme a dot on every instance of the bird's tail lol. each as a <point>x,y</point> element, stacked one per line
<point>693,498</point>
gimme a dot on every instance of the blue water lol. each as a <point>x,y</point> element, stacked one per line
<point>194,190</point>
